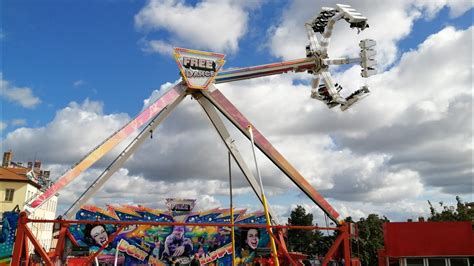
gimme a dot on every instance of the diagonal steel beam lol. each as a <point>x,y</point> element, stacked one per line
<point>221,129</point>
<point>241,122</point>
<point>123,156</point>
<point>98,152</point>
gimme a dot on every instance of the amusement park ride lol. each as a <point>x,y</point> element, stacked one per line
<point>200,71</point>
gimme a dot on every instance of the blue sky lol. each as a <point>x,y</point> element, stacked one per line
<point>95,45</point>
<point>110,56</point>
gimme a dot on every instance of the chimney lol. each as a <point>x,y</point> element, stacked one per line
<point>421,219</point>
<point>37,165</point>
<point>7,158</point>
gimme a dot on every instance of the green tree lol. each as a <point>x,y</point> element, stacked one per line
<point>301,240</point>
<point>370,238</point>
<point>298,239</point>
<point>463,211</point>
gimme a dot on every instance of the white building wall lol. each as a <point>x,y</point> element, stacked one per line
<point>42,231</point>
<point>23,192</point>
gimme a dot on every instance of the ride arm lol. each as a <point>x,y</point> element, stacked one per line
<point>313,40</point>
<point>328,92</point>
<point>298,65</point>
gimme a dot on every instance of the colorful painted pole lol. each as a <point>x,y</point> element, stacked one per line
<point>265,206</point>
<point>241,122</point>
<point>152,110</point>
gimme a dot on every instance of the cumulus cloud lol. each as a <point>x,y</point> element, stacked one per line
<point>78,83</point>
<point>3,125</point>
<point>157,46</point>
<point>74,131</point>
<point>412,134</point>
<point>125,188</point>
<point>404,139</point>
<point>210,24</point>
<point>401,210</point>
<point>456,8</point>
<point>20,95</point>
<point>288,37</point>
<point>18,122</point>
<point>429,128</point>
<point>410,140</point>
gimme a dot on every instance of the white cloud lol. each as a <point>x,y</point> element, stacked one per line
<point>418,118</point>
<point>409,141</point>
<point>157,46</point>
<point>401,210</point>
<point>18,122</point>
<point>155,94</point>
<point>76,129</point>
<point>124,188</point>
<point>78,83</point>
<point>210,24</point>
<point>19,95</point>
<point>385,150</point>
<point>427,104</point>
<point>456,7</point>
<point>394,211</point>
<point>288,38</point>
<point>3,125</point>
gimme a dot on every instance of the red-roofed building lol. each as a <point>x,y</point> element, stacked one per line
<point>16,175</point>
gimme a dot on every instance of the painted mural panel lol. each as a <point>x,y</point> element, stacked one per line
<point>171,245</point>
<point>7,236</point>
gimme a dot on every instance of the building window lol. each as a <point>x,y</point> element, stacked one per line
<point>9,194</point>
<point>436,262</point>
<point>414,262</point>
<point>394,262</point>
<point>459,261</point>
